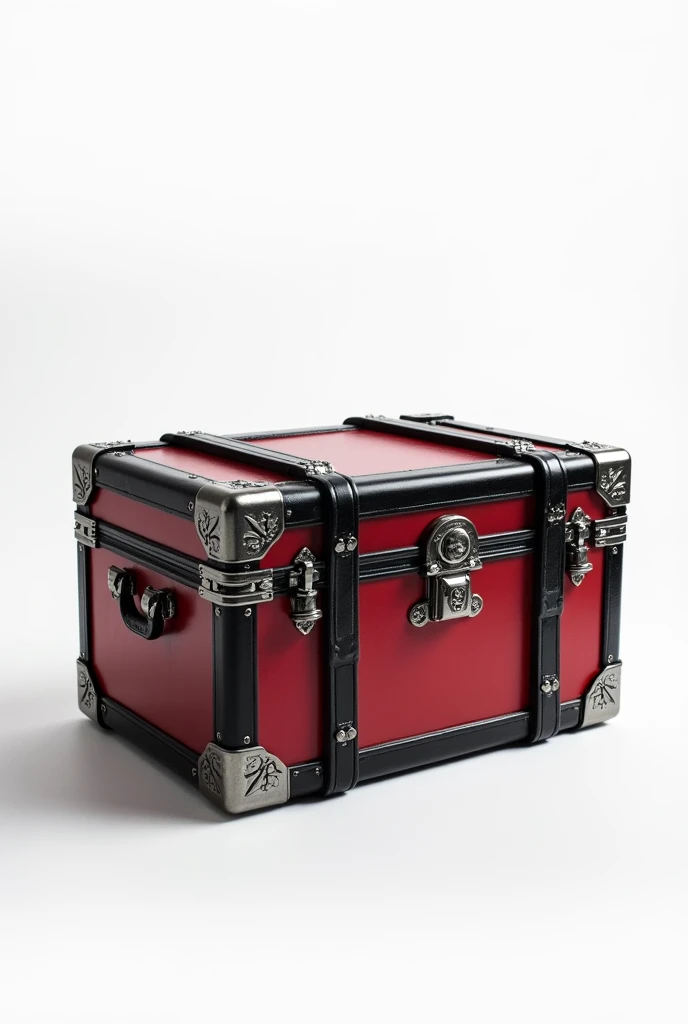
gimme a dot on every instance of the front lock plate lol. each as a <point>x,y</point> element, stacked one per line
<point>451,555</point>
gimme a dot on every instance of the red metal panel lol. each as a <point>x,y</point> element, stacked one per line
<point>447,673</point>
<point>362,452</point>
<point>400,531</point>
<point>166,681</point>
<point>290,684</point>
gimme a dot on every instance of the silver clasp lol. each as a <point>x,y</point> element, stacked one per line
<point>304,608</point>
<point>451,555</point>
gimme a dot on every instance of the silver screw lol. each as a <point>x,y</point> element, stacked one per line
<point>103,709</point>
<point>190,506</point>
<point>247,740</point>
<point>295,773</point>
<point>615,551</point>
<point>83,654</point>
<point>218,613</point>
<point>288,512</point>
<point>218,736</point>
<point>610,659</point>
<point>81,549</point>
<point>318,771</point>
<point>247,613</point>
<point>194,772</point>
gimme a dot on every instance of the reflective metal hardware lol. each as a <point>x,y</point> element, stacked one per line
<point>242,780</point>
<point>602,698</point>
<point>86,692</point>
<point>235,589</point>
<point>304,610</point>
<point>318,467</point>
<point>555,513</point>
<point>613,472</point>
<point>520,445</point>
<point>83,469</point>
<point>121,582</point>
<point>451,554</point>
<point>611,531</point>
<point>236,522</point>
<point>578,530</point>
<point>346,734</point>
<point>550,684</point>
<point>85,530</point>
<point>348,543</point>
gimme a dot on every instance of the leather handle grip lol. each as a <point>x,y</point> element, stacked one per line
<point>156,605</point>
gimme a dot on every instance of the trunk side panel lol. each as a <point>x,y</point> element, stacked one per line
<point>167,681</point>
<point>581,621</point>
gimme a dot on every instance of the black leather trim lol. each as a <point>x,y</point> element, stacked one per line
<point>235,677</point>
<point>152,741</point>
<point>611,628</point>
<point>341,620</point>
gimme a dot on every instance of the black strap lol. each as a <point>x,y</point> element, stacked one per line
<point>342,648</point>
<point>340,498</point>
<point>550,549</point>
<point>243,451</point>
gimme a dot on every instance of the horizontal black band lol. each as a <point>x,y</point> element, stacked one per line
<point>385,759</point>
<point>374,565</point>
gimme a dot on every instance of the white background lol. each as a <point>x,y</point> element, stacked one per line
<point>235,216</point>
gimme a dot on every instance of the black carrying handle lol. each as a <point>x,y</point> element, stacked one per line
<point>156,605</point>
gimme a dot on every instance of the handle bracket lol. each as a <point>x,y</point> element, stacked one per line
<point>157,606</point>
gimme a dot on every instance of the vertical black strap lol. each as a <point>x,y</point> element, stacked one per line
<point>550,549</point>
<point>548,593</point>
<point>341,619</point>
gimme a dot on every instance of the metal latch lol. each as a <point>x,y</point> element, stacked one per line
<point>85,530</point>
<point>304,608</point>
<point>235,589</point>
<point>451,555</point>
<point>582,530</point>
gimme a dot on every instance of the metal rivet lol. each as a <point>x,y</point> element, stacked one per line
<point>190,506</point>
<point>340,546</point>
<point>247,567</point>
<point>247,613</point>
<point>318,771</point>
<point>194,772</point>
<point>295,773</point>
<point>95,472</point>
<point>218,613</point>
<point>288,513</point>
<point>103,709</point>
<point>193,476</point>
<point>218,736</point>
<point>610,659</point>
<point>615,551</point>
<point>83,654</point>
<point>247,740</point>
<point>201,591</point>
<point>351,544</point>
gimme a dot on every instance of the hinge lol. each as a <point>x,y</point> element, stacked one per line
<point>609,532</point>
<point>304,604</point>
<point>86,530</point>
<point>581,531</point>
<point>451,555</point>
<point>235,589</point>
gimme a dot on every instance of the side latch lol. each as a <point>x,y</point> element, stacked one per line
<point>235,589</point>
<point>451,556</point>
<point>581,531</point>
<point>304,607</point>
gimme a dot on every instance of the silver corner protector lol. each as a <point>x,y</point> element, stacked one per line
<point>83,469</point>
<point>602,699</point>
<point>238,521</point>
<point>613,472</point>
<point>242,780</point>
<point>86,691</point>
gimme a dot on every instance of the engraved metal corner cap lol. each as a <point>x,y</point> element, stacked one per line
<point>242,780</point>
<point>603,696</point>
<point>238,523</point>
<point>613,472</point>
<point>83,470</point>
<point>86,691</point>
